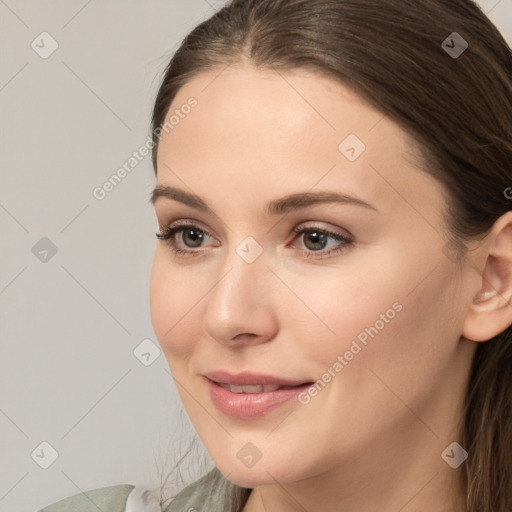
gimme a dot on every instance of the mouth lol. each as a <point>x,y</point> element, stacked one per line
<point>250,401</point>
<point>257,388</point>
<point>250,379</point>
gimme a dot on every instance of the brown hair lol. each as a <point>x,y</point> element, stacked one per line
<point>458,108</point>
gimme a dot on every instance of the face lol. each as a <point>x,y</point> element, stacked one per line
<point>354,295</point>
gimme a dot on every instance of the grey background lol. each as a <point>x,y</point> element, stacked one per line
<point>70,321</point>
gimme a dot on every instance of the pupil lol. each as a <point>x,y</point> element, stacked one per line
<point>195,238</point>
<point>315,235</point>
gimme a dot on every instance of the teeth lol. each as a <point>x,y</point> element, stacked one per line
<point>258,388</point>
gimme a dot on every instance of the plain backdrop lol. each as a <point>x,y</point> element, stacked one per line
<point>77,82</point>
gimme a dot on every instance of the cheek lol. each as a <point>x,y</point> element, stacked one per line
<point>396,318</point>
<point>355,318</point>
<point>172,302</point>
<point>406,360</point>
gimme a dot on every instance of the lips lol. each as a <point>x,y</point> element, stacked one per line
<point>247,382</point>
<point>251,401</point>
<point>253,388</point>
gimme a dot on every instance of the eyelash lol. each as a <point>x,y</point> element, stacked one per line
<point>170,231</point>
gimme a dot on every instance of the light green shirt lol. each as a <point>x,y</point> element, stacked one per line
<point>203,495</point>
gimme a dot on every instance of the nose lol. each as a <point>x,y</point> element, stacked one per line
<point>241,305</point>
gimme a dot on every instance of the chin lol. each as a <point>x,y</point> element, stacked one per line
<point>262,473</point>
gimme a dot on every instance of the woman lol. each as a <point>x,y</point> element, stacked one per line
<point>332,281</point>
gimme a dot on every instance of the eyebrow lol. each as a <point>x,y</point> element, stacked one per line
<point>275,207</point>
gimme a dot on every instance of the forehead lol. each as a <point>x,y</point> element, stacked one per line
<point>275,107</point>
<point>287,130</point>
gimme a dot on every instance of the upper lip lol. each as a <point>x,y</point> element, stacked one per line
<point>248,378</point>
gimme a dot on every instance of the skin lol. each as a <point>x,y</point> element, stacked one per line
<point>372,438</point>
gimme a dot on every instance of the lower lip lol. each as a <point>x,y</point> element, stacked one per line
<point>250,405</point>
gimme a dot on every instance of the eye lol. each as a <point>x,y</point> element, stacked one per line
<point>315,239</point>
<point>189,233</point>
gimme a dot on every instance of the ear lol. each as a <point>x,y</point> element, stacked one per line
<point>490,311</point>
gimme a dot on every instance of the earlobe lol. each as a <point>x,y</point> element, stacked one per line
<point>490,310</point>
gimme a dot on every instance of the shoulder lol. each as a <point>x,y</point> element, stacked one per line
<point>116,498</point>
